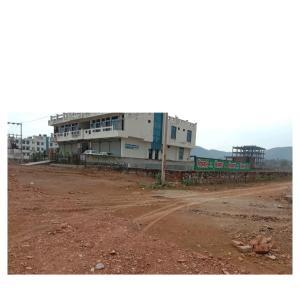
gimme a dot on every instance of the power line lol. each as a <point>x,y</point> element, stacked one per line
<point>36,119</point>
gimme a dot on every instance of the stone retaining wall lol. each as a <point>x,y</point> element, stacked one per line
<point>213,177</point>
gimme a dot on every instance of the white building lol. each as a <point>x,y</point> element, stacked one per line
<point>32,145</point>
<point>129,135</point>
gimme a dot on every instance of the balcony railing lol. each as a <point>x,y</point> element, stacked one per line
<point>105,131</point>
<point>99,129</point>
<point>71,135</point>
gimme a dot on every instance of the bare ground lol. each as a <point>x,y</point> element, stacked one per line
<point>65,221</point>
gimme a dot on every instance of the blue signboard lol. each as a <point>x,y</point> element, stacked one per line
<point>131,146</point>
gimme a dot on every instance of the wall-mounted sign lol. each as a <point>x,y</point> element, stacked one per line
<point>131,146</point>
<point>219,165</point>
<point>203,163</point>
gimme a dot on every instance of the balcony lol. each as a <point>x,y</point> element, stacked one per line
<point>91,133</point>
<point>103,132</point>
<point>68,136</point>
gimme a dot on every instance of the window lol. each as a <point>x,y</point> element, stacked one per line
<point>98,123</point>
<point>27,148</point>
<point>189,136</point>
<point>156,154</point>
<point>38,149</point>
<point>149,121</point>
<point>51,144</point>
<point>173,132</point>
<point>107,122</point>
<point>181,151</point>
<point>115,122</point>
<point>38,143</point>
<point>27,141</point>
<point>178,128</point>
<point>42,143</point>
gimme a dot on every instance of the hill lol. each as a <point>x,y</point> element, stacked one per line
<point>279,153</point>
<point>202,152</point>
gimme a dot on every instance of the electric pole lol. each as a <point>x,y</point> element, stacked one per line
<point>164,149</point>
<point>21,142</point>
<point>21,134</point>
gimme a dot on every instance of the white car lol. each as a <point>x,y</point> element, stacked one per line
<point>89,152</point>
<point>94,153</point>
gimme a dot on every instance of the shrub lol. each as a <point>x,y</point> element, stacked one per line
<point>187,181</point>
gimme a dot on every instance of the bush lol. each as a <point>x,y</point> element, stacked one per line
<point>187,181</point>
<point>157,178</point>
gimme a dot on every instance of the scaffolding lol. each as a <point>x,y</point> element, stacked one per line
<point>249,154</point>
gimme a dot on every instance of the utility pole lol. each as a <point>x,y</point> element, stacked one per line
<point>21,132</point>
<point>164,149</point>
<point>21,142</point>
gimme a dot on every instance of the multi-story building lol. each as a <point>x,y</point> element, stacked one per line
<point>131,135</point>
<point>52,144</point>
<point>33,145</point>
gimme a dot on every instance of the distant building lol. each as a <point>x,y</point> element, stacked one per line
<point>128,135</point>
<point>36,144</point>
<point>248,154</point>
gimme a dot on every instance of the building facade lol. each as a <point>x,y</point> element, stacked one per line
<point>36,144</point>
<point>128,135</point>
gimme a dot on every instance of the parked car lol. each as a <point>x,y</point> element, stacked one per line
<point>94,153</point>
<point>90,152</point>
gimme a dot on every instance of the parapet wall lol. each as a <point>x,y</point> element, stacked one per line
<point>134,163</point>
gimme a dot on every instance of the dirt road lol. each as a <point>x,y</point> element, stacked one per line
<point>64,220</point>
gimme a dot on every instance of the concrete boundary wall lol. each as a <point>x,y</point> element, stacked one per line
<point>213,177</point>
<point>196,177</point>
<point>135,163</point>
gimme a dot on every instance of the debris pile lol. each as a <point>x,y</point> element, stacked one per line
<point>260,245</point>
<point>241,246</point>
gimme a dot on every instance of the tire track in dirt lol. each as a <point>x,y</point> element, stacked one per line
<point>157,215</point>
<point>155,212</point>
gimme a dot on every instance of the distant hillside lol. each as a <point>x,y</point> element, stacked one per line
<point>281,153</point>
<point>202,152</point>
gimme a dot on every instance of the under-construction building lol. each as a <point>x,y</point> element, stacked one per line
<point>248,154</point>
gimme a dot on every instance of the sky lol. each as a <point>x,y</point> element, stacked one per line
<point>218,133</point>
<point>230,66</point>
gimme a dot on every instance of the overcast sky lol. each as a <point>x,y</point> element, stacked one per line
<point>217,133</point>
<point>230,66</point>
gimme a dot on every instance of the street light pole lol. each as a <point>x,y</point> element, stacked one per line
<point>164,149</point>
<point>21,142</point>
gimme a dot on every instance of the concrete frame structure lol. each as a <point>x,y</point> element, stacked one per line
<point>249,154</point>
<point>127,135</point>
